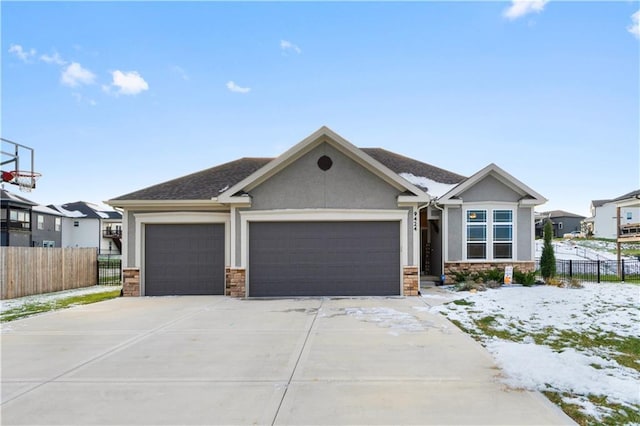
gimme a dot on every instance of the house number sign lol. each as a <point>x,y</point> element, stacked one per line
<point>415,221</point>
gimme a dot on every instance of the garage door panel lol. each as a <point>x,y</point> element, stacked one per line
<point>324,258</point>
<point>183,259</point>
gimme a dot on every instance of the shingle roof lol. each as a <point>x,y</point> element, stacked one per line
<point>632,194</point>
<point>83,209</point>
<point>202,185</point>
<point>7,196</point>
<point>209,183</point>
<point>561,213</point>
<point>401,164</point>
<point>599,203</point>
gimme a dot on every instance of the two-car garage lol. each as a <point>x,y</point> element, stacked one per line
<point>310,258</point>
<point>324,259</point>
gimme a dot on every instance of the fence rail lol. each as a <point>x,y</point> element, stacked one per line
<point>597,270</point>
<point>35,270</point>
<point>109,271</point>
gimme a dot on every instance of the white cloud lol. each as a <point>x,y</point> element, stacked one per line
<point>24,55</point>
<point>74,75</point>
<point>287,46</point>
<point>237,89</point>
<point>128,82</point>
<point>53,59</point>
<point>181,72</point>
<point>81,99</point>
<point>520,8</point>
<point>634,28</point>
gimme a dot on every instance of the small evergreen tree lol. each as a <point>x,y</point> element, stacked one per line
<point>548,258</point>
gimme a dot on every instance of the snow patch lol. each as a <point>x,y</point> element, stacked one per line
<point>388,318</point>
<point>435,189</point>
<point>69,213</point>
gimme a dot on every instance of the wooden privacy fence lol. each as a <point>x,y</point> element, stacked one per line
<point>36,270</point>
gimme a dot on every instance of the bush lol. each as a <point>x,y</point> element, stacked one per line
<point>494,274</point>
<point>525,278</point>
<point>462,276</point>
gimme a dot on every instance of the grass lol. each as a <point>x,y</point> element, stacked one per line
<point>29,309</point>
<point>624,350</point>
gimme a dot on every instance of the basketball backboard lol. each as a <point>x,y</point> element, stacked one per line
<point>17,163</point>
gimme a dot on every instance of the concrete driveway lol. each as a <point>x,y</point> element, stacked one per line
<point>216,360</point>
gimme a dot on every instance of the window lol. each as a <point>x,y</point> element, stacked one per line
<point>502,234</point>
<point>40,221</point>
<point>476,234</point>
<point>629,215</point>
<point>494,244</point>
<point>559,225</point>
<point>58,223</point>
<point>19,219</point>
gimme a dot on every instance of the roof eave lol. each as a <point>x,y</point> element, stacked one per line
<point>159,203</point>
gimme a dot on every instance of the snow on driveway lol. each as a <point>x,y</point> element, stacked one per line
<point>597,309</point>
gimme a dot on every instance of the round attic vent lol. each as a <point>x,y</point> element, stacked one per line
<point>325,163</point>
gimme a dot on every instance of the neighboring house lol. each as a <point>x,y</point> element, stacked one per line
<point>563,222</point>
<point>87,225</point>
<point>15,214</point>
<point>603,220</point>
<point>46,227</point>
<point>628,218</point>
<point>325,218</point>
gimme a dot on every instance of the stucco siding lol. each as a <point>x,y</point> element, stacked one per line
<point>489,189</point>
<point>303,185</point>
<point>454,234</point>
<point>524,234</point>
<point>130,239</point>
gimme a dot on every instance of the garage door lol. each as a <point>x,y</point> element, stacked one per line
<point>184,259</point>
<point>324,259</point>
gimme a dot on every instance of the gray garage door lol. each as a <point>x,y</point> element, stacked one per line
<point>324,259</point>
<point>184,259</point>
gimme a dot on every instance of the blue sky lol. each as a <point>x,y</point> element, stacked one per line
<point>117,96</point>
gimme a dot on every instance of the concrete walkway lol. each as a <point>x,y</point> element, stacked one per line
<point>216,360</point>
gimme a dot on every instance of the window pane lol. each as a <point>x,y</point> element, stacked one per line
<point>476,216</point>
<point>476,232</point>
<point>476,251</point>
<point>502,232</point>
<point>502,251</point>
<point>502,216</point>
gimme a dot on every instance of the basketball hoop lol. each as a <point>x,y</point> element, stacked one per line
<point>26,181</point>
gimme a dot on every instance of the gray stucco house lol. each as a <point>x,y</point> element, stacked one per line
<point>324,218</point>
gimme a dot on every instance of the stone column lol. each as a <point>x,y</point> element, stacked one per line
<point>235,282</point>
<point>131,285</point>
<point>410,280</point>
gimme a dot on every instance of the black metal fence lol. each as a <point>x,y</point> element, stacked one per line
<point>598,270</point>
<point>109,271</point>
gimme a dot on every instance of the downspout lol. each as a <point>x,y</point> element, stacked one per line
<point>434,203</point>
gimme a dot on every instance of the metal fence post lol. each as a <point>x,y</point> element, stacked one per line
<point>598,266</point>
<point>622,271</point>
<point>570,268</point>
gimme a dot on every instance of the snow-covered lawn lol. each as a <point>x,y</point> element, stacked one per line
<point>28,305</point>
<point>580,346</point>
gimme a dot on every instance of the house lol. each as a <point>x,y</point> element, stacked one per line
<point>603,222</point>
<point>324,218</point>
<point>15,214</point>
<point>46,227</point>
<point>87,225</point>
<point>563,222</point>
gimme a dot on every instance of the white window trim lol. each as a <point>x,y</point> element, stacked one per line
<point>490,208</point>
<point>324,215</point>
<point>40,222</point>
<point>142,219</point>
